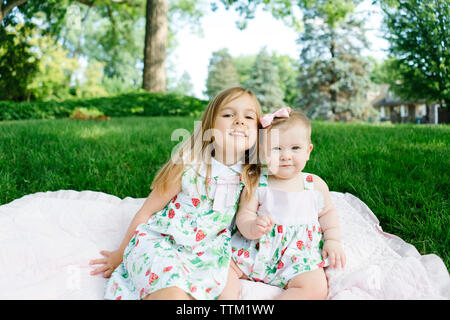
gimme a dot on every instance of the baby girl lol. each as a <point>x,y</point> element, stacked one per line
<point>287,228</point>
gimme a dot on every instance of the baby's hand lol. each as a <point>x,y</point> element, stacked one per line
<point>262,225</point>
<point>333,250</point>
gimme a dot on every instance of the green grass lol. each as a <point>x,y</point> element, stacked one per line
<point>401,172</point>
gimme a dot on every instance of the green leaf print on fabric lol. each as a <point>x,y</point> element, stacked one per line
<point>196,260</point>
<point>223,261</point>
<point>209,212</point>
<point>272,233</point>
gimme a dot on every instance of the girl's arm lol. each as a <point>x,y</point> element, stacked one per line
<point>251,225</point>
<point>154,203</point>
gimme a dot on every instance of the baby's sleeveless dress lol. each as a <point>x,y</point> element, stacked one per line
<point>186,244</point>
<point>293,246</point>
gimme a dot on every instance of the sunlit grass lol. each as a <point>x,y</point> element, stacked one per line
<point>401,172</point>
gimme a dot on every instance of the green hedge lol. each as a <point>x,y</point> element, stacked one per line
<point>145,104</point>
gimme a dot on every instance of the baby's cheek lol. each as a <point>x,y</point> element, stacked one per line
<point>272,164</point>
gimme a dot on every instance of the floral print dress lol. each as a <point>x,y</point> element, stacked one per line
<point>186,244</point>
<point>293,246</point>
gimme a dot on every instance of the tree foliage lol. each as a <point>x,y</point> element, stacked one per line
<point>55,70</point>
<point>18,64</point>
<point>109,32</point>
<point>264,82</point>
<point>221,73</point>
<point>335,77</point>
<point>332,11</point>
<point>419,35</point>
<point>288,72</point>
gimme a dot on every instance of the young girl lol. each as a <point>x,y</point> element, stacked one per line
<point>288,229</point>
<point>178,244</point>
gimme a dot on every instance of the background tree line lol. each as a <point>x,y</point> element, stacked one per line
<point>124,44</point>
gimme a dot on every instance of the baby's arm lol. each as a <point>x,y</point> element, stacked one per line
<point>251,225</point>
<point>329,223</point>
<point>154,203</point>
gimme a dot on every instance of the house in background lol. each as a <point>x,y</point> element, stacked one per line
<point>396,110</point>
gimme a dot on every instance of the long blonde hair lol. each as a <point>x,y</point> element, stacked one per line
<point>187,154</point>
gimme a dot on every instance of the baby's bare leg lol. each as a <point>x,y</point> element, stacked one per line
<point>311,285</point>
<point>232,290</point>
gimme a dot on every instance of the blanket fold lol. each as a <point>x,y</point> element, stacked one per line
<point>48,238</point>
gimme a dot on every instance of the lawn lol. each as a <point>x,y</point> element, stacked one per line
<point>401,172</point>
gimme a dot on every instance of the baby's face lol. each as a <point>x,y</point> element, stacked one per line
<point>287,154</point>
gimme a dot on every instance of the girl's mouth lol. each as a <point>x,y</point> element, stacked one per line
<point>238,134</point>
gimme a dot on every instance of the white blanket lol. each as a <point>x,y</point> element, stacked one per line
<point>47,240</point>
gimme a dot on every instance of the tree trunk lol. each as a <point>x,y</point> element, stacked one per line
<point>154,79</point>
<point>333,93</point>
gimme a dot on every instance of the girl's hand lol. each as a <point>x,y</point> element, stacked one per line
<point>333,250</point>
<point>262,225</point>
<point>110,263</point>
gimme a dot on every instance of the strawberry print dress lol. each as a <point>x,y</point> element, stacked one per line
<point>186,244</point>
<point>293,246</point>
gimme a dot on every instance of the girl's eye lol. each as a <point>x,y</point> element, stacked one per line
<point>276,148</point>
<point>227,115</point>
<point>249,117</point>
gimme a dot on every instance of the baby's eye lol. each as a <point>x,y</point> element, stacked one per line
<point>296,148</point>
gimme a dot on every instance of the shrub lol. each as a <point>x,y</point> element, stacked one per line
<point>140,104</point>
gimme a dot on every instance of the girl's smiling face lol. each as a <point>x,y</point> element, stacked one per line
<point>235,128</point>
<point>287,150</point>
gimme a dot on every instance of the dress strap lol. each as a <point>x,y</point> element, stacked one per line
<point>308,181</point>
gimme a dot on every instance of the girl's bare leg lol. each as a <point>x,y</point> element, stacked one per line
<point>232,290</point>
<point>311,285</point>
<point>170,293</point>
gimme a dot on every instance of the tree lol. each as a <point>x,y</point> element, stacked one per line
<point>419,35</point>
<point>182,85</point>
<point>332,11</point>
<point>244,65</point>
<point>221,73</point>
<point>265,83</point>
<point>335,77</point>
<point>16,70</point>
<point>109,31</point>
<point>155,46</point>
<point>53,79</point>
<point>288,72</point>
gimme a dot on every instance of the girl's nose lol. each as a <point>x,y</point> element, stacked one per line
<point>239,120</point>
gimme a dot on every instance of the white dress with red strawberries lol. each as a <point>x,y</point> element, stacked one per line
<point>293,246</point>
<point>187,244</point>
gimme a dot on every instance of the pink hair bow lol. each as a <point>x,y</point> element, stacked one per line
<point>266,120</point>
